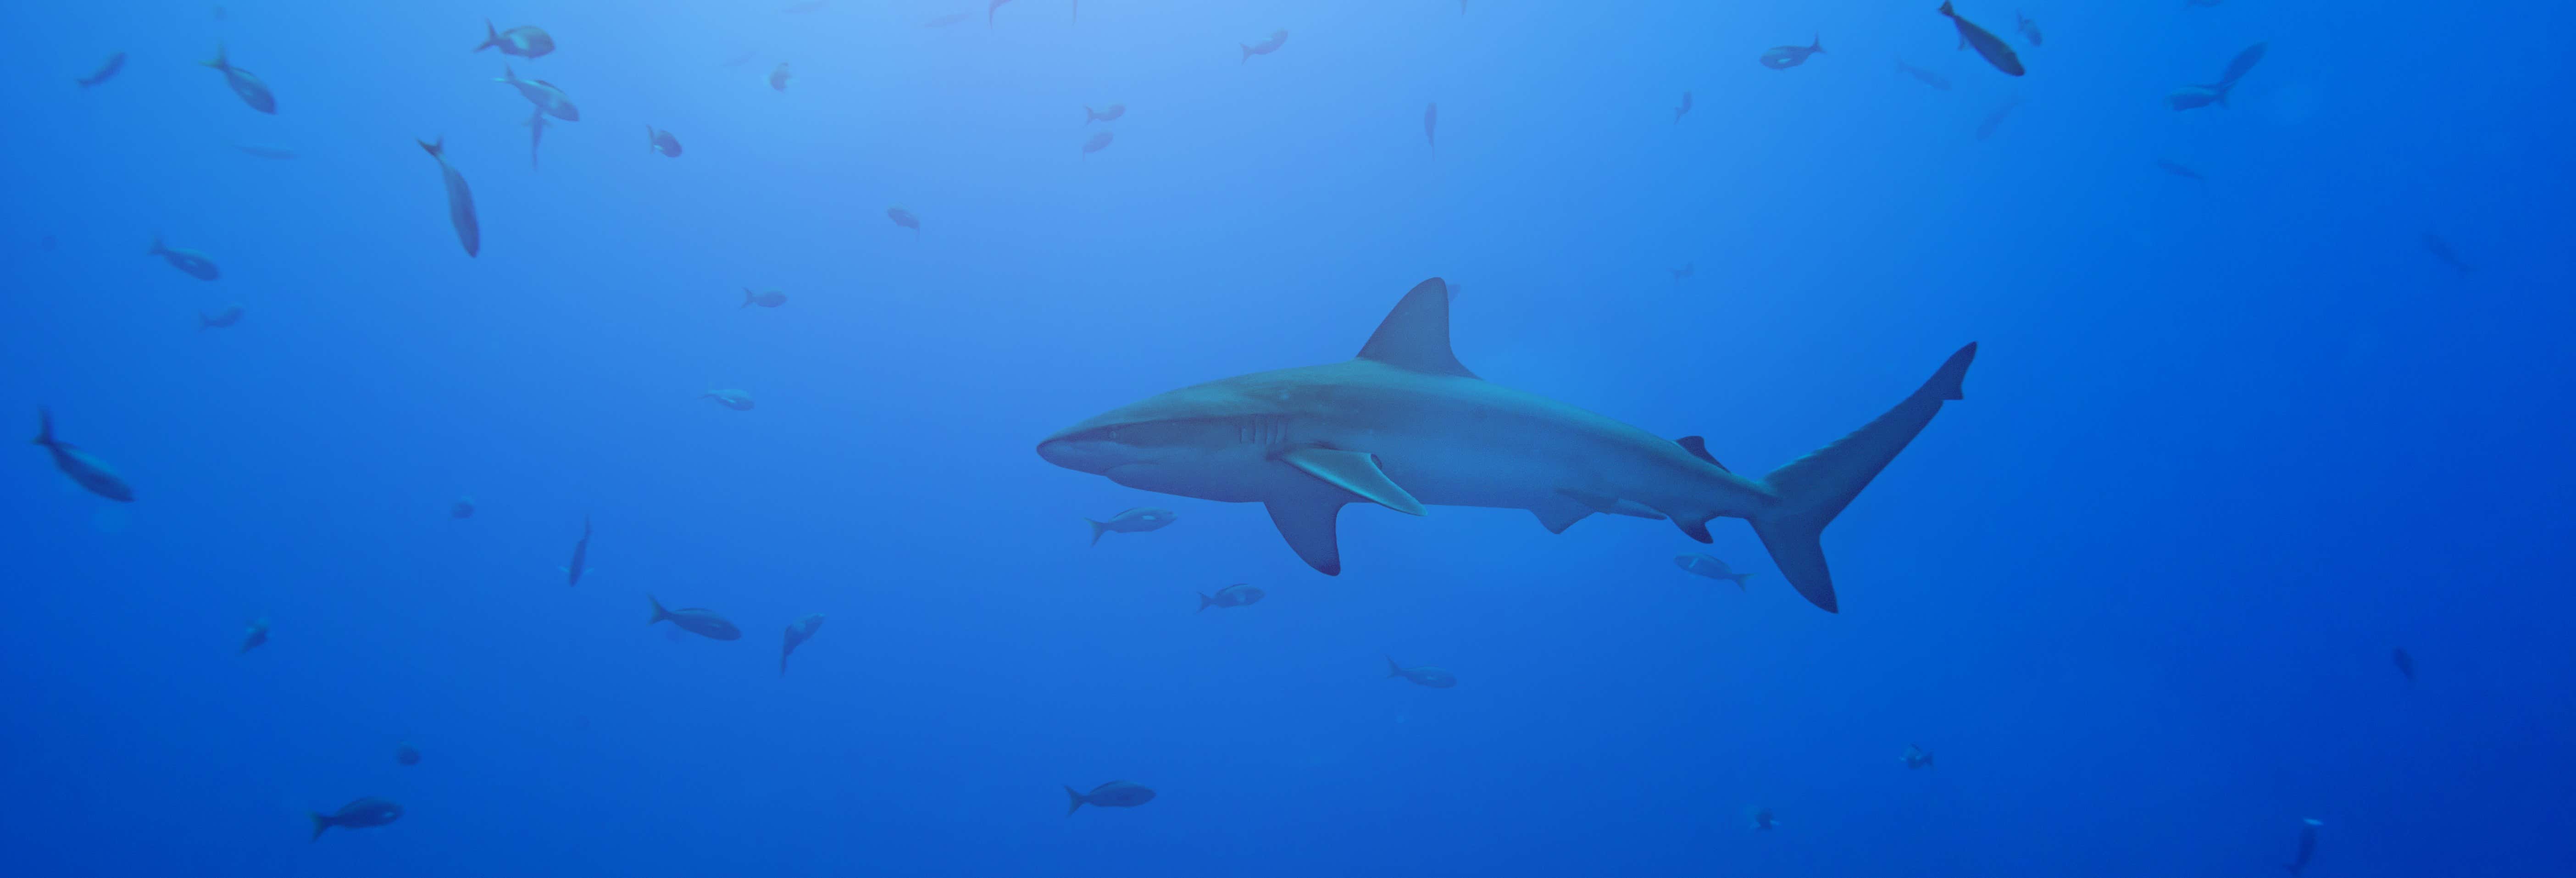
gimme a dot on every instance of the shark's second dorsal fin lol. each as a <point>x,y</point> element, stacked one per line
<point>1416,334</point>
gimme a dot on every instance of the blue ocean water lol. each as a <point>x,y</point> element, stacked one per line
<point>2228,442</point>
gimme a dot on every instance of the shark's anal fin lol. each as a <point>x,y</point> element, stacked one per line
<point>1308,524</point>
<point>1355,472</point>
<point>1415,334</point>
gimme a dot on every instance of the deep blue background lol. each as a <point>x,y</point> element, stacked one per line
<point>2226,445</point>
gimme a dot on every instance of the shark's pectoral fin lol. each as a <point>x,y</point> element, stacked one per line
<point>1309,525</point>
<point>1355,472</point>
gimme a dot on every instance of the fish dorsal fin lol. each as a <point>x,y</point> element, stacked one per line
<point>1416,334</point>
<point>1698,448</point>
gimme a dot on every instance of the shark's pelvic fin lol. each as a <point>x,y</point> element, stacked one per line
<point>1416,334</point>
<point>1556,517</point>
<point>1356,472</point>
<point>1815,488</point>
<point>1308,522</point>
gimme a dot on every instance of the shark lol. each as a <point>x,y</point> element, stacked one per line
<point>1405,425</point>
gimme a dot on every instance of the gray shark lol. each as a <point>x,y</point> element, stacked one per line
<point>1405,425</point>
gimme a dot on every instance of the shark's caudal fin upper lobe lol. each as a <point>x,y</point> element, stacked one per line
<point>1815,488</point>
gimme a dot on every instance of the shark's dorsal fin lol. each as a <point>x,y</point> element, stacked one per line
<point>1698,448</point>
<point>1416,334</point>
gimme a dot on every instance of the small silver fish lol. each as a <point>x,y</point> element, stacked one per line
<point>797,633</point>
<point>114,63</point>
<point>1097,142</point>
<point>223,317</point>
<point>732,399</point>
<point>460,200</point>
<point>1988,46</point>
<point>1683,110</point>
<point>245,84</point>
<point>904,218</point>
<point>1138,520</point>
<point>763,298</point>
<point>658,140</point>
<point>1785,57</point>
<point>1090,115</point>
<point>525,42</point>
<point>194,263</point>
<point>1277,38</point>
<point>87,471</point>
<point>695,620</point>
<point>778,77</point>
<point>543,94</point>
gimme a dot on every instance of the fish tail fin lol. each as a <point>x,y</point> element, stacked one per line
<point>660,614</point>
<point>1393,669</point>
<point>157,247</point>
<point>1815,488</point>
<point>747,298</point>
<point>649,148</point>
<point>1088,115</point>
<point>1076,804</point>
<point>1247,52</point>
<point>1096,530</point>
<point>1739,579</point>
<point>203,323</point>
<point>1817,44</point>
<point>1205,602</point>
<point>1945,9</point>
<point>437,148</point>
<point>491,36</point>
<point>221,61</point>
<point>320,822</point>
<point>44,427</point>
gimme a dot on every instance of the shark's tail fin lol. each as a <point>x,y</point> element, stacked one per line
<point>1096,530</point>
<point>1815,488</point>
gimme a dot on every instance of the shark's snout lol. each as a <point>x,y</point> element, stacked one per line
<point>1086,450</point>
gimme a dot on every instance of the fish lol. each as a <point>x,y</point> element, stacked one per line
<point>696,620</point>
<point>85,470</point>
<point>732,399</point>
<point>2192,97</point>
<point>1785,57</point>
<point>462,508</point>
<point>1237,595</point>
<point>1134,521</point>
<point>2307,846</point>
<point>763,298</point>
<point>1927,77</point>
<point>949,19</point>
<point>1430,124</point>
<point>1762,819</point>
<point>104,72</point>
<point>536,133</point>
<point>1711,568</point>
<point>1988,46</point>
<point>580,555</point>
<point>1683,110</point>
<point>526,42</point>
<point>1404,425</point>
<point>778,77</point>
<point>1114,794</point>
<point>797,633</point>
<point>1109,115</point>
<point>1986,127</point>
<point>2405,662</point>
<point>1097,142</point>
<point>406,754</point>
<point>2029,29</point>
<point>1684,272</point>
<point>194,263</point>
<point>265,152</point>
<point>245,84</point>
<point>253,635</point>
<point>2442,250</point>
<point>543,94</point>
<point>1435,678</point>
<point>1917,757</point>
<point>657,140</point>
<point>903,218</point>
<point>1277,38</point>
<point>2179,170</point>
<point>360,814</point>
<point>223,317</point>
<point>460,200</point>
